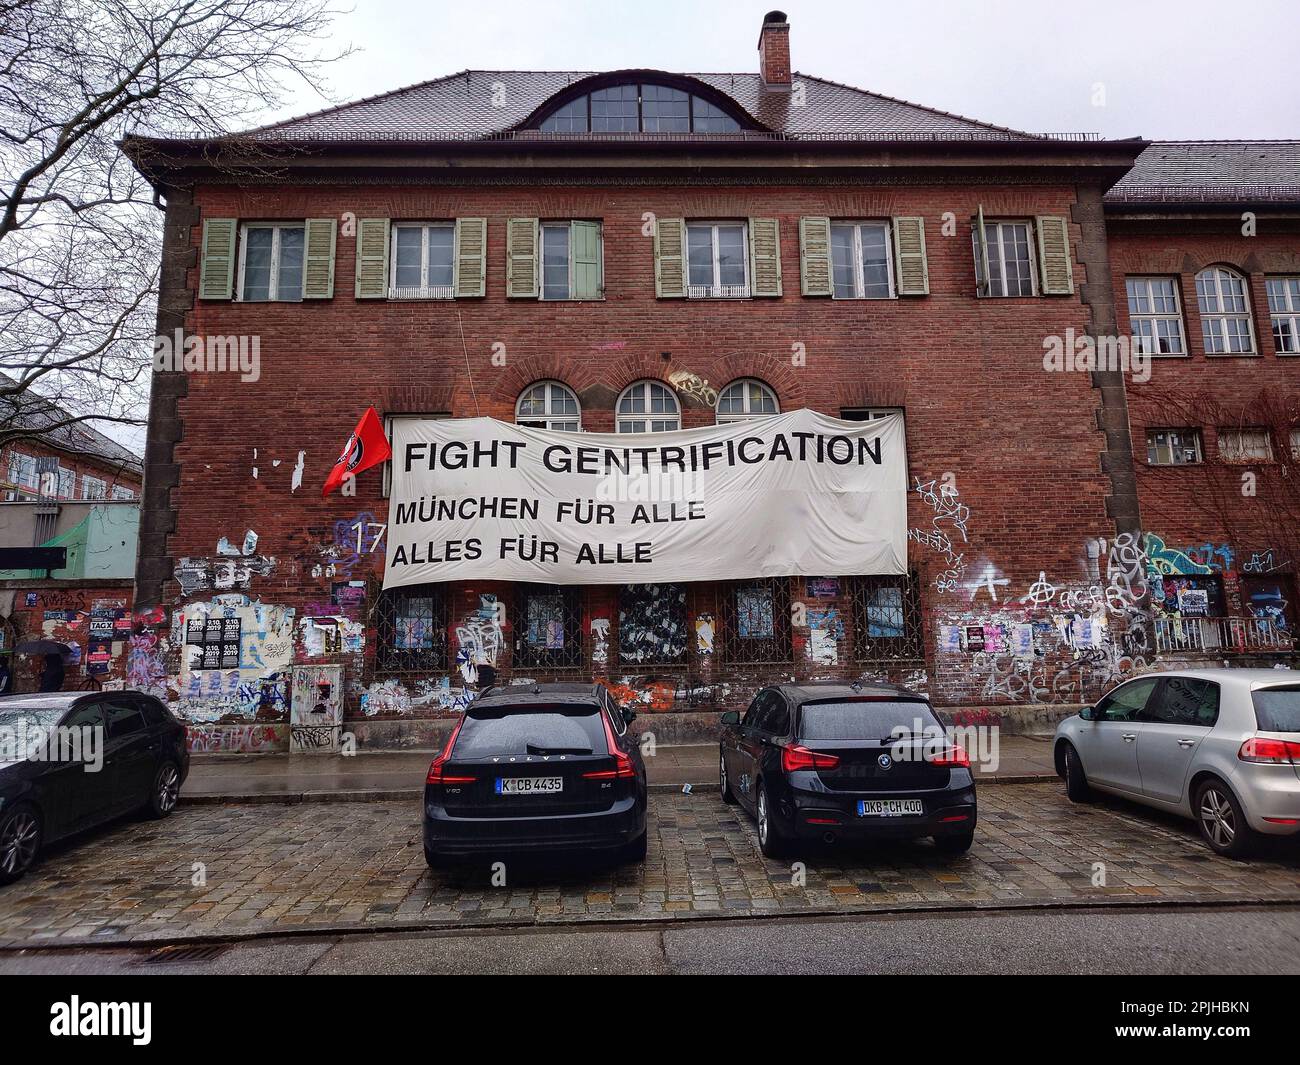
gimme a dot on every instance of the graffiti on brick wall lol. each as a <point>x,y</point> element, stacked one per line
<point>662,695</point>
<point>235,660</point>
<point>221,574</point>
<point>236,739</point>
<point>396,698</point>
<point>480,638</point>
<point>825,633</point>
<point>949,518</point>
<point>600,642</point>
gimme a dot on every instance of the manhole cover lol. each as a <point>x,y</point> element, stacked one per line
<point>186,953</point>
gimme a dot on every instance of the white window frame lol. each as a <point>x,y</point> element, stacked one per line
<point>1154,317</point>
<point>997,252</point>
<point>14,471</point>
<point>424,291</point>
<point>121,492</point>
<point>747,414</point>
<point>69,483</point>
<point>1185,433</point>
<point>549,416</point>
<point>1286,310</point>
<point>717,290</point>
<point>646,417</point>
<point>1237,456</point>
<point>1222,316</point>
<point>273,288</point>
<point>87,480</point>
<point>859,274</point>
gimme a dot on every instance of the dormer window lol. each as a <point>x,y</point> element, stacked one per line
<point>639,108</point>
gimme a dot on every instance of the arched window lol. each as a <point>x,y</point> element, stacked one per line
<point>648,407</point>
<point>745,400</point>
<point>639,108</point>
<point>1225,312</point>
<point>548,405</point>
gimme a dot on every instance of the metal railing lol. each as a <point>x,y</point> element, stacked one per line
<point>1224,636</point>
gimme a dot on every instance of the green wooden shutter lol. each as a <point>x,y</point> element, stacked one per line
<point>318,259</point>
<point>585,246</point>
<point>815,256</point>
<point>469,268</point>
<point>670,258</point>
<point>217,266</point>
<point>764,257</point>
<point>372,258</point>
<point>1055,271</point>
<point>911,273</point>
<point>983,284</point>
<point>521,258</point>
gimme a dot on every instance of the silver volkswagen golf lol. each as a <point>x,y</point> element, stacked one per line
<point>1221,746</point>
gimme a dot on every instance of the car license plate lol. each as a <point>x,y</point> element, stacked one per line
<point>890,808</point>
<point>529,785</point>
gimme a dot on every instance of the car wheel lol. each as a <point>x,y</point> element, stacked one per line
<point>770,840</point>
<point>724,781</point>
<point>166,790</point>
<point>955,844</point>
<point>1076,783</point>
<point>433,859</point>
<point>20,841</point>
<point>1222,822</point>
<point>636,850</point>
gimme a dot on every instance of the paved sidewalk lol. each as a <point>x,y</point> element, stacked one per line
<point>376,776</point>
<point>232,871</point>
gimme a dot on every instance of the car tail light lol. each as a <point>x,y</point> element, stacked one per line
<point>624,769</point>
<point>1259,749</point>
<point>436,774</point>
<point>955,757</point>
<point>797,757</point>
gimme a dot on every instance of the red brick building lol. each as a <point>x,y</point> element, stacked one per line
<point>633,251</point>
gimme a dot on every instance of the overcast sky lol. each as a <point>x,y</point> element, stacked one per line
<point>1187,69</point>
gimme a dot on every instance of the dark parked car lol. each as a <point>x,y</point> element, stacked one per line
<point>846,763</point>
<point>535,769</point>
<point>112,753</point>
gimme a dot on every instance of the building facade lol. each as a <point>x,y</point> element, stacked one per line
<point>632,252</point>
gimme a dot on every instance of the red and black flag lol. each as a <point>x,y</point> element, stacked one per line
<point>366,447</point>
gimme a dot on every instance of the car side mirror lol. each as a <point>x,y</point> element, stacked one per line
<point>731,717</point>
<point>629,715</point>
<point>1088,713</point>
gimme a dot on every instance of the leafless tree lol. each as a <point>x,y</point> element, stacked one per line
<point>79,227</point>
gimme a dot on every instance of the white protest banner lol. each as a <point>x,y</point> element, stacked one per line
<point>797,493</point>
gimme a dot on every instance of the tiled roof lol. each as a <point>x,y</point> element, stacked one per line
<point>1212,172</point>
<point>486,103</point>
<point>28,410</point>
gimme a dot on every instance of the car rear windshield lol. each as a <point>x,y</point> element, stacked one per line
<point>504,731</point>
<point>864,719</point>
<point>1277,709</point>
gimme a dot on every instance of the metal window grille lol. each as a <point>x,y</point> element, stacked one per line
<point>887,620</point>
<point>652,629</point>
<point>548,628</point>
<point>756,622</point>
<point>411,630</point>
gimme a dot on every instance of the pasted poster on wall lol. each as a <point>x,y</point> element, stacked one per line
<point>316,708</point>
<point>783,495</point>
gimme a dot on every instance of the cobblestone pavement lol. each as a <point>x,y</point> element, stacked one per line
<point>222,870</point>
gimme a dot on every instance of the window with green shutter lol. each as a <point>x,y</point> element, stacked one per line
<point>470,258</point>
<point>765,256</point>
<point>1055,270</point>
<point>521,258</point>
<point>571,258</point>
<point>670,258</point>
<point>372,258</point>
<point>318,270</point>
<point>815,256</point>
<point>217,264</point>
<point>912,273</point>
<point>271,259</point>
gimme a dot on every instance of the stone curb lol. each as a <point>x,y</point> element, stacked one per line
<point>290,798</point>
<point>564,923</point>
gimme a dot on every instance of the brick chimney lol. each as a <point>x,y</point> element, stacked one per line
<point>774,51</point>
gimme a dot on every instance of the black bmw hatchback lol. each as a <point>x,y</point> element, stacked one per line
<point>549,767</point>
<point>846,763</point>
<point>73,760</point>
